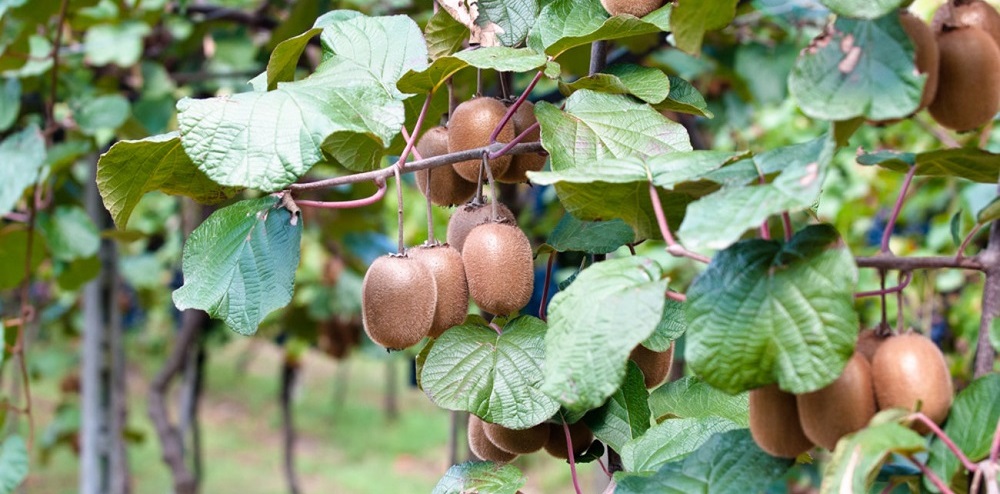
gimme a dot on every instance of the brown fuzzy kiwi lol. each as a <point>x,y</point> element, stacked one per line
<point>517,441</point>
<point>844,406</point>
<point>580,436</point>
<point>868,342</point>
<point>447,188</point>
<point>926,50</point>
<point>638,8</point>
<point>470,127</point>
<point>398,296</point>
<point>499,265</point>
<point>469,216</point>
<point>481,445</point>
<point>445,265</point>
<point>774,422</point>
<point>655,366</point>
<point>968,94</point>
<point>909,368</point>
<point>521,164</point>
<point>969,13</point>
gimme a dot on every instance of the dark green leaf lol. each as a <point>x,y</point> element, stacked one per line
<point>972,423</point>
<point>859,456</point>
<point>73,275</point>
<point>690,397</point>
<point>692,18</point>
<point>120,44</point>
<point>22,155</point>
<point>971,164</point>
<point>684,98</point>
<point>592,237</point>
<point>767,312</point>
<point>594,325</point>
<point>13,464</point>
<point>497,377</point>
<point>70,233</point>
<point>626,415</point>
<point>444,35</point>
<point>239,265</point>
<point>10,102</point>
<point>14,252</point>
<point>498,58</point>
<point>671,440</point>
<point>956,228</point>
<point>563,24</point>
<point>483,477</point>
<point>648,84</point>
<point>673,324</point>
<point>513,17</point>
<point>864,9</point>
<point>844,129</point>
<point>989,213</point>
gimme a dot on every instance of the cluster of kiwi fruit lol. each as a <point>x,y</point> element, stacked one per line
<point>904,371</point>
<point>960,54</point>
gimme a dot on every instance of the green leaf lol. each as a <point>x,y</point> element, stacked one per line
<point>496,377</point>
<point>690,397</point>
<point>239,265</point>
<point>130,169</point>
<point>70,233</point>
<point>74,274</point>
<point>728,463</point>
<point>956,228</point>
<point>564,24</point>
<point>989,213</point>
<point>592,237</point>
<point>864,68</point>
<point>22,155</point>
<point>444,35</point>
<point>971,164</point>
<point>285,58</point>
<point>684,98</point>
<point>692,18</point>
<point>10,102</point>
<point>107,112</point>
<point>972,423</point>
<point>646,83</point>
<point>483,477</point>
<point>119,44</point>
<point>14,252</point>
<point>719,219</point>
<point>514,17</point>
<point>626,415</point>
<point>671,440</point>
<point>764,311</point>
<point>859,456</point>
<point>594,325</point>
<point>499,58</point>
<point>39,50</point>
<point>672,325</point>
<point>864,9</point>
<point>13,464</point>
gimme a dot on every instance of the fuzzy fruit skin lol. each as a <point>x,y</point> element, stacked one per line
<point>481,445</point>
<point>521,164</point>
<point>638,8</point>
<point>579,433</point>
<point>469,216</point>
<point>517,441</point>
<point>774,422</point>
<point>968,94</point>
<point>927,55</point>
<point>910,368</point>
<point>447,188</point>
<point>655,366</point>
<point>975,13</point>
<point>844,406</point>
<point>868,343</point>
<point>499,265</point>
<point>470,127</point>
<point>398,296</point>
<point>445,265</point>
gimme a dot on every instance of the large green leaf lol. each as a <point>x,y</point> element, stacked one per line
<point>864,9</point>
<point>719,219</point>
<point>684,98</point>
<point>563,24</point>
<point>592,237</point>
<point>498,58</point>
<point>13,464</point>
<point>22,155</point>
<point>690,397</point>
<point>483,477</point>
<point>971,164</point>
<point>690,20</point>
<point>594,325</point>
<point>444,35</point>
<point>626,415</point>
<point>672,325</point>
<point>119,44</point>
<point>767,312</point>
<point>496,377</point>
<point>513,17</point>
<point>671,440</point>
<point>728,463</point>
<point>69,233</point>
<point>14,251</point>
<point>239,265</point>
<point>130,169</point>
<point>10,102</point>
<point>859,456</point>
<point>972,423</point>
<point>646,83</point>
<point>860,68</point>
<point>285,57</point>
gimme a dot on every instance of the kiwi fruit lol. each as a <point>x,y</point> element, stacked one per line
<point>968,13</point>
<point>868,342</point>
<point>774,422</point>
<point>968,93</point>
<point>445,265</point>
<point>926,54</point>
<point>844,406</point>
<point>580,437</point>
<point>447,188</point>
<point>517,441</point>
<point>521,164</point>
<point>638,8</point>
<point>398,297</point>
<point>655,366</point>
<point>470,127</point>
<point>467,217</point>
<point>910,368</point>
<point>500,267</point>
<point>481,445</point>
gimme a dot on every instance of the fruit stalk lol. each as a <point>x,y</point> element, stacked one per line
<point>513,108</point>
<point>401,245</point>
<point>675,249</point>
<point>904,281</point>
<point>542,313</point>
<point>514,142</point>
<point>572,460</point>
<point>598,56</point>
<point>887,234</point>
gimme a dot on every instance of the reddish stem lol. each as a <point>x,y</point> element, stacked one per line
<point>18,217</point>
<point>513,108</point>
<point>572,457</point>
<point>414,152</point>
<point>931,476</point>
<point>604,468</point>
<point>411,140</point>
<point>765,232</point>
<point>496,328</point>
<point>675,249</point>
<point>924,419</point>
<point>542,313</point>
<point>357,203</point>
<point>680,297</point>
<point>786,222</point>
<point>903,283</point>
<point>891,225</point>
<point>510,145</point>
<point>967,239</point>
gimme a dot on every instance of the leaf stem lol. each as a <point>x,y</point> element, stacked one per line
<point>995,448</point>
<point>514,142</point>
<point>904,280</point>
<point>968,238</point>
<point>930,476</point>
<point>786,222</point>
<point>357,203</point>
<point>542,313</point>
<point>924,419</point>
<point>891,225</point>
<point>513,107</point>
<point>571,455</point>
<point>412,139</point>
<point>16,217</point>
<point>675,249</point>
<point>677,296</point>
